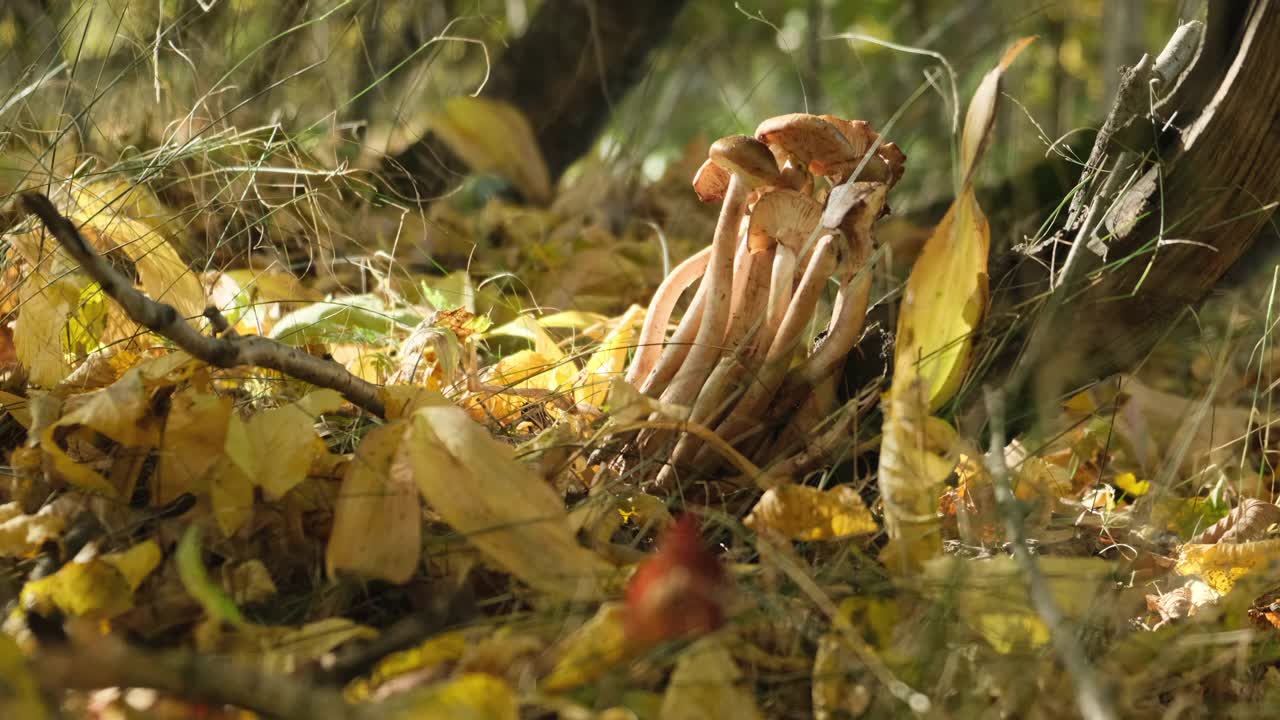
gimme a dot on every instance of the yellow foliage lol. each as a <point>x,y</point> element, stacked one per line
<point>800,512</point>
<point>99,587</point>
<point>1220,565</point>
<point>590,651</point>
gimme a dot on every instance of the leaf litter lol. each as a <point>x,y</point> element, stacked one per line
<point>576,545</point>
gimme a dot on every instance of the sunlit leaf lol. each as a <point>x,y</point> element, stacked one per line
<point>1221,565</point>
<point>471,696</point>
<point>590,651</point>
<point>800,512</point>
<point>609,361</point>
<point>500,506</point>
<point>195,432</point>
<point>99,587</point>
<point>706,683</point>
<point>377,519</point>
<point>493,137</point>
<point>350,318</point>
<point>943,303</point>
<point>946,294</point>
<point>444,648</point>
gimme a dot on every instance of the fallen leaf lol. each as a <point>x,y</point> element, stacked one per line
<point>377,518</point>
<point>800,512</point>
<point>706,684</point>
<point>590,651</point>
<point>283,440</point>
<point>100,587</point>
<point>471,696</point>
<point>500,506</point>
<point>494,137</point>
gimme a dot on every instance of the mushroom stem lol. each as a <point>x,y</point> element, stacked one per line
<point>649,347</point>
<point>781,284</point>
<point>744,261</point>
<point>847,319</point>
<point>720,389</point>
<point>718,281</point>
<point>674,352</point>
<point>782,347</point>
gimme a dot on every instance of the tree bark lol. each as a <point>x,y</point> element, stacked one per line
<point>1210,190</point>
<point>566,73</point>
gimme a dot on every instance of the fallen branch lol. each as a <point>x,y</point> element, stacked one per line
<point>230,350</point>
<point>92,661</point>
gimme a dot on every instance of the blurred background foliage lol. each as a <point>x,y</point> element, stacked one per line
<point>188,96</point>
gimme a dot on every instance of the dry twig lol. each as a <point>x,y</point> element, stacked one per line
<point>230,350</point>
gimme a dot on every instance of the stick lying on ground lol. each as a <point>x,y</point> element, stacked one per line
<point>228,351</point>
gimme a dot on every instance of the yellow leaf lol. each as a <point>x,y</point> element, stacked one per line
<point>39,334</point>
<point>16,406</point>
<point>991,595</point>
<point>524,370</point>
<point>100,587</point>
<point>590,651</point>
<point>836,691</point>
<point>706,683</point>
<point>282,442</point>
<point>800,512</point>
<point>1130,483</point>
<point>609,361</point>
<point>946,294</point>
<point>573,319</point>
<point>470,696</point>
<point>913,466</point>
<point>401,401</point>
<point>195,432</point>
<point>500,506</point>
<point>436,651</point>
<point>1220,565</point>
<point>492,136</point>
<point>104,217</point>
<point>120,411</point>
<point>377,517</point>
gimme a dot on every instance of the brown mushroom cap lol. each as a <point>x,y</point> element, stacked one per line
<point>816,143</point>
<point>747,157</point>
<point>859,133</point>
<point>711,182</point>
<point>853,207</point>
<point>785,216</point>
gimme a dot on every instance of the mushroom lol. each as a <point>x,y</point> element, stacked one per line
<point>750,165</point>
<point>785,218</point>
<point>815,143</point>
<point>649,346</point>
<point>757,395</point>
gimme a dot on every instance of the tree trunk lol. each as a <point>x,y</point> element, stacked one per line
<point>566,73</point>
<point>1200,201</point>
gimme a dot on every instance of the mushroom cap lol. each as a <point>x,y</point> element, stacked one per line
<point>747,157</point>
<point>711,182</point>
<point>853,208</point>
<point>859,133</point>
<point>784,216</point>
<point>816,143</point>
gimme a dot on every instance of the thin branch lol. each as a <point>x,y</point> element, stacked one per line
<point>230,350</point>
<point>90,662</point>
<point>1089,693</point>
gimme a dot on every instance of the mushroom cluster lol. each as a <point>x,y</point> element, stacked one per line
<point>798,203</point>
